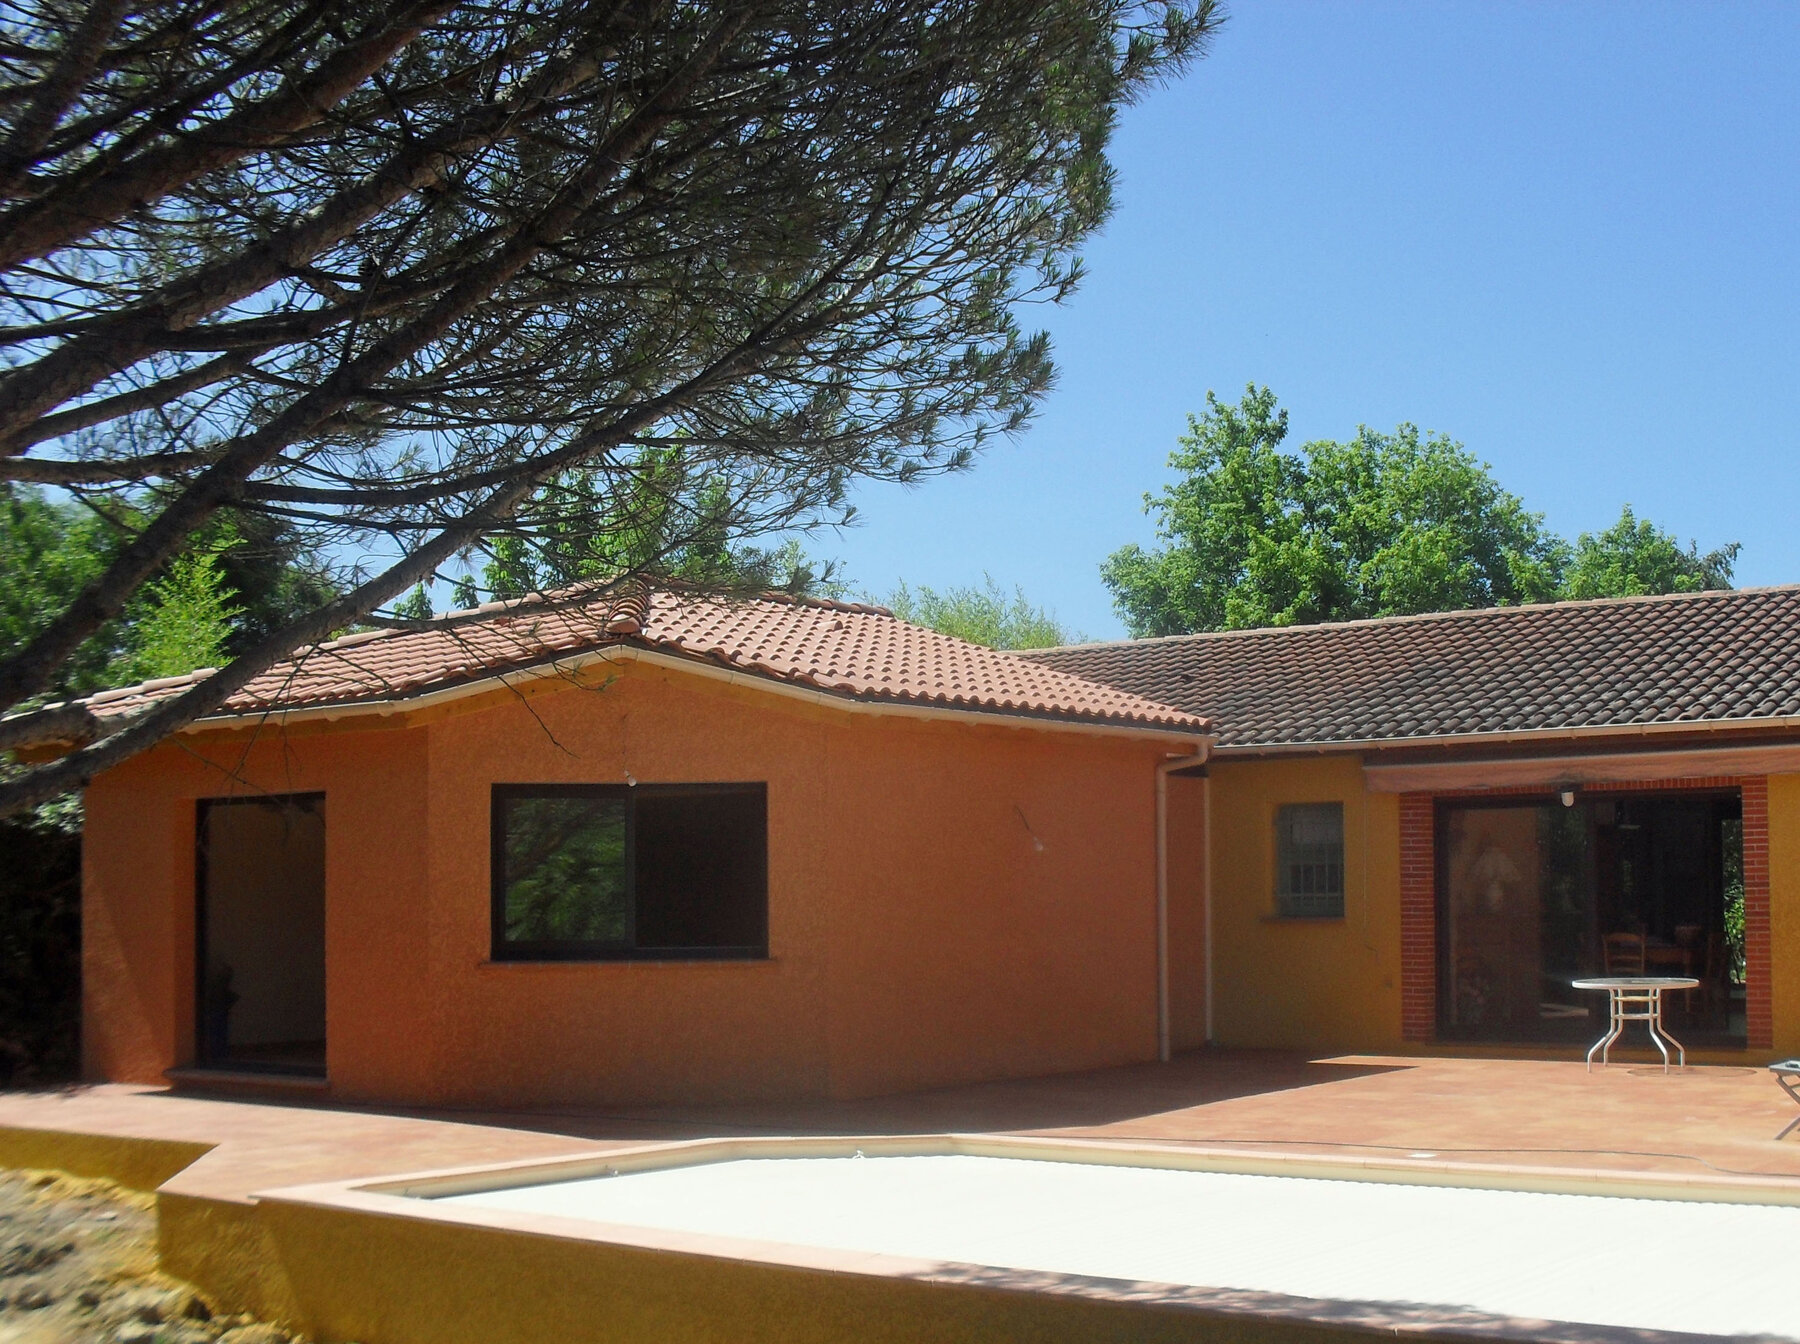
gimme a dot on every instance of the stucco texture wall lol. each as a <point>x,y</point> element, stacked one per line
<point>948,901</point>
<point>1305,984</point>
<point>138,903</point>
<point>1334,984</point>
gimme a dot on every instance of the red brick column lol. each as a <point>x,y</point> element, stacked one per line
<point>1758,964</point>
<point>1418,917</point>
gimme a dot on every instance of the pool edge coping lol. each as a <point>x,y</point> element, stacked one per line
<point>1719,1188</point>
<point>419,1197</point>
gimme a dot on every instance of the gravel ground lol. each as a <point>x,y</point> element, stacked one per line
<point>78,1266</point>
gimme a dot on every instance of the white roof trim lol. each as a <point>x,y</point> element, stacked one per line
<point>1501,738</point>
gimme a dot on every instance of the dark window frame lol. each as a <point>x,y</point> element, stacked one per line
<point>500,948</point>
<point>1285,900</point>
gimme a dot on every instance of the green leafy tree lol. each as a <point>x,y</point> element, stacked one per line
<point>245,576</point>
<point>274,571</point>
<point>188,622</point>
<point>1635,557</point>
<point>49,551</point>
<point>182,621</point>
<point>985,615</point>
<point>415,606</point>
<point>1382,525</point>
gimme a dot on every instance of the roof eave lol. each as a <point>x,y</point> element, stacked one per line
<point>1201,737</point>
<point>1227,751</point>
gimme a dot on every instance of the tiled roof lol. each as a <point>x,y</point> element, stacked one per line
<point>844,649</point>
<point>1685,658</point>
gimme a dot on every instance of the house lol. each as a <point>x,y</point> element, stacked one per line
<point>635,847</point>
<point>1424,827</point>
<point>654,846</point>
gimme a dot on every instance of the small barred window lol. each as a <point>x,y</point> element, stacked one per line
<point>1309,852</point>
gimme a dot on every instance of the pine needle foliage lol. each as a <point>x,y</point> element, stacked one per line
<point>417,277</point>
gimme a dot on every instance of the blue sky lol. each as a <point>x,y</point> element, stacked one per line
<point>1566,235</point>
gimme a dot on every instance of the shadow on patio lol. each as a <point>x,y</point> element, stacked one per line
<point>1100,1099</point>
<point>1625,1121</point>
<point>1710,1120</point>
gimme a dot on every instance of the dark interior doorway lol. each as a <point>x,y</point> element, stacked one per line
<point>261,934</point>
<point>1535,892</point>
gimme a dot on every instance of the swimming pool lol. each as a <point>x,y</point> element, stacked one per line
<point>1660,1264</point>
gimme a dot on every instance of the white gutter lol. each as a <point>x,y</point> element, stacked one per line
<point>1247,751</point>
<point>1164,1047</point>
<point>566,667</point>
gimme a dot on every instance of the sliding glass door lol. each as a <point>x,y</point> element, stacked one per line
<point>1533,893</point>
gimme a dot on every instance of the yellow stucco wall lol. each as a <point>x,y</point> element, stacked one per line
<point>1784,910</point>
<point>1187,912</point>
<point>1335,984</point>
<point>1311,984</point>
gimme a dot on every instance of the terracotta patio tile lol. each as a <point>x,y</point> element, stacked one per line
<point>1629,1120</point>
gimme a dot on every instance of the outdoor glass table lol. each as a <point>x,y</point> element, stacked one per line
<point>1636,998</point>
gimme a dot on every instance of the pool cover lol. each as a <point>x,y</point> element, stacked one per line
<point>1715,1269</point>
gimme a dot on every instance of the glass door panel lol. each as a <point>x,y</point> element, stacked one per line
<point>1493,898</point>
<point>1528,892</point>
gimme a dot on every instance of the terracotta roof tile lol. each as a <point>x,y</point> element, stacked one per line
<point>1691,657</point>
<point>845,649</point>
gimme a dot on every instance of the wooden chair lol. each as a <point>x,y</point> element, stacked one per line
<point>1623,953</point>
<point>1715,979</point>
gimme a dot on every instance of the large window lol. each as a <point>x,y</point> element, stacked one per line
<point>1309,861</point>
<point>653,871</point>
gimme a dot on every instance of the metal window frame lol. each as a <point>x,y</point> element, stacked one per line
<point>1444,804</point>
<point>503,949</point>
<point>1286,898</point>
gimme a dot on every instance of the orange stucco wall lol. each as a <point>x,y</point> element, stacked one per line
<point>948,901</point>
<point>138,895</point>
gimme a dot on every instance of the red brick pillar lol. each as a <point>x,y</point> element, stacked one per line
<point>1418,917</point>
<point>1758,966</point>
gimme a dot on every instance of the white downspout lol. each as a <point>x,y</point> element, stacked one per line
<point>1164,1048</point>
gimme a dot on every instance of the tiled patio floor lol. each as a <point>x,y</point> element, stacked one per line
<point>1703,1123</point>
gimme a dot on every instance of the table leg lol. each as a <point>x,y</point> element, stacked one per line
<point>1614,1025</point>
<point>1654,1021</point>
<point>1791,1086</point>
